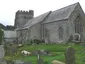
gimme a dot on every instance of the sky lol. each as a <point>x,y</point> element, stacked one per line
<point>8,8</point>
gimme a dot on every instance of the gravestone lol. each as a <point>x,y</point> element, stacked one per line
<point>40,61</point>
<point>27,63</point>
<point>44,52</point>
<point>3,62</point>
<point>57,62</point>
<point>18,62</point>
<point>13,50</point>
<point>70,55</point>
<point>2,52</point>
<point>82,44</point>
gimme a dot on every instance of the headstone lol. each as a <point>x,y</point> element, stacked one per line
<point>82,44</point>
<point>18,62</point>
<point>44,52</point>
<point>40,61</point>
<point>70,55</point>
<point>2,52</point>
<point>13,50</point>
<point>27,63</point>
<point>3,62</point>
<point>57,62</point>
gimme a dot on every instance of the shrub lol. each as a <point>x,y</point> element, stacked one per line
<point>70,39</point>
<point>1,36</point>
<point>9,60</point>
<point>36,41</point>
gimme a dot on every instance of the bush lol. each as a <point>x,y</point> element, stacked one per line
<point>36,41</point>
<point>70,39</point>
<point>1,36</point>
<point>9,60</point>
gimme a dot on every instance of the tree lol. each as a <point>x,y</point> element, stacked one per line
<point>9,27</point>
<point>1,35</point>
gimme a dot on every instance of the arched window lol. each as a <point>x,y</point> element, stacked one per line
<point>60,33</point>
<point>78,25</point>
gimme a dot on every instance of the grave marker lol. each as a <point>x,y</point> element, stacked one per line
<point>70,55</point>
<point>40,61</point>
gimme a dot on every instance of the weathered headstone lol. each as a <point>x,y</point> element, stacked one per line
<point>27,63</point>
<point>18,62</point>
<point>70,55</point>
<point>44,52</point>
<point>82,44</point>
<point>3,62</point>
<point>57,62</point>
<point>40,61</point>
<point>2,52</point>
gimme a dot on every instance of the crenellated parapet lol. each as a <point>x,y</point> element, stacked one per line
<point>22,17</point>
<point>31,12</point>
<point>22,12</point>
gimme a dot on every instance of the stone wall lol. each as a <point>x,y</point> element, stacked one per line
<point>77,12</point>
<point>35,31</point>
<point>9,36</point>
<point>53,30</point>
<point>28,34</point>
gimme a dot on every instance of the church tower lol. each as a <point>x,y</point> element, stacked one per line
<point>22,17</point>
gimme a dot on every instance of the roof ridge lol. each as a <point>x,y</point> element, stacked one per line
<point>62,13</point>
<point>67,6</point>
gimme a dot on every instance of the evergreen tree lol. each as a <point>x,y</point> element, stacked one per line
<point>1,36</point>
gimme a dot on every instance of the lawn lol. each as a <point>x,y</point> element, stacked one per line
<point>57,49</point>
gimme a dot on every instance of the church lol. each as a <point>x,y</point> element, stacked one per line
<point>53,26</point>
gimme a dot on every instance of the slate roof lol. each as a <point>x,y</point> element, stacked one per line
<point>59,14</point>
<point>62,13</point>
<point>35,20</point>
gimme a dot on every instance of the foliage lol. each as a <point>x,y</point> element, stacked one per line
<point>70,39</point>
<point>35,41</point>
<point>2,26</point>
<point>10,49</point>
<point>1,36</point>
<point>8,27</point>
<point>57,51</point>
<point>9,60</point>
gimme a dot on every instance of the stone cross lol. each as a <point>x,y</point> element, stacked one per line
<point>70,55</point>
<point>40,61</point>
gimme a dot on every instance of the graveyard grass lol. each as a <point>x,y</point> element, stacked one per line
<point>57,50</point>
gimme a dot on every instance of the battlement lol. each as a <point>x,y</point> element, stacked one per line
<point>22,17</point>
<point>22,12</point>
<point>31,12</point>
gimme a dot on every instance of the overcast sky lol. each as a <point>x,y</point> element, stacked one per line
<point>8,8</point>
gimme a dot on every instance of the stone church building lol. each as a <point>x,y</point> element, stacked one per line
<point>53,26</point>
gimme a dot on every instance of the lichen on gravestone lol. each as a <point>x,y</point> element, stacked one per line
<point>70,55</point>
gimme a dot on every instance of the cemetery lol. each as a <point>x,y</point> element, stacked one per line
<point>46,54</point>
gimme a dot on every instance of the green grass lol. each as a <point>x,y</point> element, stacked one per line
<point>57,49</point>
<point>50,47</point>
